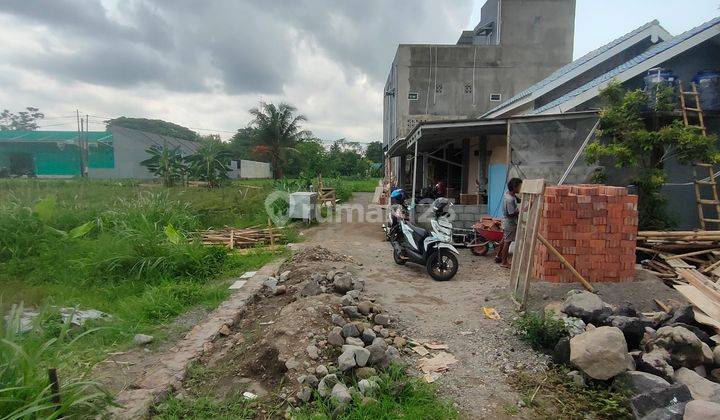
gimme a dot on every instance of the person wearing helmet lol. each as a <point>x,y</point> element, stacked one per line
<point>511,212</point>
<point>397,196</point>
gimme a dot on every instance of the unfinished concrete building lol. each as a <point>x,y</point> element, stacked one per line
<point>516,43</point>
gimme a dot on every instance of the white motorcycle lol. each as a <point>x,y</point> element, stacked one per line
<point>415,244</point>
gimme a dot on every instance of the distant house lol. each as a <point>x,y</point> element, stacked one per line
<point>540,129</point>
<point>116,153</point>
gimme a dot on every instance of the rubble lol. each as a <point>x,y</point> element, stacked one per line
<point>702,410</point>
<point>601,353</point>
<point>700,388</point>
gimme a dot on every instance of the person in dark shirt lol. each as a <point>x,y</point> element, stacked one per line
<point>510,213</point>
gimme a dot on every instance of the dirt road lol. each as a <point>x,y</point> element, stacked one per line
<point>448,312</point>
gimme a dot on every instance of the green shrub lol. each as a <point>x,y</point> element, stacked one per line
<point>541,331</point>
<point>25,389</point>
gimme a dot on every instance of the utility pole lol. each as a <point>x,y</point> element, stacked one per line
<point>79,140</point>
<point>85,145</point>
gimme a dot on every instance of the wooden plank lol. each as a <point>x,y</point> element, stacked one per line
<point>528,222</point>
<point>691,254</point>
<point>695,278</point>
<point>675,263</point>
<point>566,263</point>
<point>532,186</point>
<point>699,300</point>
<point>662,305</point>
<point>702,318</point>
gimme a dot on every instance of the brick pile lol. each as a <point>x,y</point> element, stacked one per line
<point>594,227</point>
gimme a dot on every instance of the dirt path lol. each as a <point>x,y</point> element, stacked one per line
<point>449,312</point>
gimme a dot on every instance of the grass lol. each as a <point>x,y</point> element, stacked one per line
<point>542,331</point>
<point>124,248</point>
<point>552,395</point>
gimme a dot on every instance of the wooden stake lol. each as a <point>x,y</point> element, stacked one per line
<point>566,263</point>
<point>690,254</point>
<point>232,239</point>
<point>55,389</point>
<point>272,240</point>
<point>662,306</point>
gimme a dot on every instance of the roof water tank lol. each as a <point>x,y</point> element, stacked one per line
<point>708,86</point>
<point>656,77</point>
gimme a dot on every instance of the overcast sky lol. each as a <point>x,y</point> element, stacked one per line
<point>203,64</point>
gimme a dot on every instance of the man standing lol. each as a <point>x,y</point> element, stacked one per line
<point>510,212</point>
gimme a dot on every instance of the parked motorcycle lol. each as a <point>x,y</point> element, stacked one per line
<point>415,244</point>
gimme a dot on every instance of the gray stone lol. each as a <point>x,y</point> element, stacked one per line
<point>358,285</point>
<point>346,360</point>
<point>641,382</point>
<point>382,319</point>
<point>685,349</point>
<point>312,352</point>
<point>355,294</point>
<point>331,274</point>
<point>362,356</point>
<point>335,337</point>
<point>671,412</point>
<point>338,320</point>
<point>350,330</point>
<point>700,388</point>
<point>143,339</point>
<point>343,283</point>
<point>601,353</point>
<point>700,370</point>
<point>716,355</point>
<point>384,333</point>
<point>573,326</point>
<point>353,341</point>
<point>351,311</point>
<point>321,370</point>
<point>377,353</point>
<point>365,307</point>
<point>632,328</point>
<point>702,335</point>
<point>284,276</point>
<point>702,410</point>
<point>368,336</point>
<point>271,283</point>
<point>341,393</point>
<point>576,377</point>
<point>311,288</point>
<point>656,363</point>
<point>625,309</point>
<point>561,353</point>
<point>305,394</point>
<point>309,380</point>
<point>683,314</point>
<point>292,364</point>
<point>377,329</point>
<point>326,384</point>
<point>586,306</point>
<point>347,300</point>
<point>365,372</point>
<point>367,387</point>
<point>645,403</point>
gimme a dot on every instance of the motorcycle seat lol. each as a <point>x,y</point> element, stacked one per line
<point>420,232</point>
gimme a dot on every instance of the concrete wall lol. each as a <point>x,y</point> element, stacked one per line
<point>250,169</point>
<point>465,215</point>
<point>456,81</point>
<point>129,148</point>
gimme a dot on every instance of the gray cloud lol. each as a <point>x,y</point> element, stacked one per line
<point>248,48</point>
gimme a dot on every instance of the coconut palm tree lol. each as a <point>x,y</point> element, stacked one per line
<point>275,130</point>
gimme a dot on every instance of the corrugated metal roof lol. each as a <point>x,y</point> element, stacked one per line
<point>53,136</point>
<point>562,71</point>
<point>652,52</point>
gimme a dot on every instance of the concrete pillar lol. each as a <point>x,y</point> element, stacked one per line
<point>465,176</point>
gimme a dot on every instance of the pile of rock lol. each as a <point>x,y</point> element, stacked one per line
<point>360,332</point>
<point>669,362</point>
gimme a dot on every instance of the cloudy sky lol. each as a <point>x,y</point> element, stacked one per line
<point>203,64</point>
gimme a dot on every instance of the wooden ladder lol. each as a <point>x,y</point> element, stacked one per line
<point>696,113</point>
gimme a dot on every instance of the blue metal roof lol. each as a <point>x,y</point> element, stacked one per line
<point>652,52</point>
<point>557,74</point>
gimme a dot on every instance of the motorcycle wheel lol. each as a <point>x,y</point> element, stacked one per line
<point>442,266</point>
<point>396,257</point>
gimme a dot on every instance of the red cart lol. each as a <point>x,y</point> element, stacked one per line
<point>488,234</point>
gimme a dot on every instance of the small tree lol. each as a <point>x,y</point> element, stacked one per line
<point>21,121</point>
<point>638,131</point>
<point>210,162</point>
<point>275,130</point>
<point>166,163</point>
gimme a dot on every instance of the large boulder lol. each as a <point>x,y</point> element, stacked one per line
<point>640,382</point>
<point>684,347</point>
<point>340,393</point>
<point>633,328</point>
<point>601,353</point>
<point>702,410</point>
<point>700,388</point>
<point>586,306</point>
<point>661,403</point>
<point>656,363</point>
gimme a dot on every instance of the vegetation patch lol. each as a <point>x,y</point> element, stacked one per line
<point>553,395</point>
<point>542,331</point>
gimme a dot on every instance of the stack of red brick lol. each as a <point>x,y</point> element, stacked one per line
<point>594,227</point>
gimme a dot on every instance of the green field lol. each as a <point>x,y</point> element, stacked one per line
<point>123,248</point>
